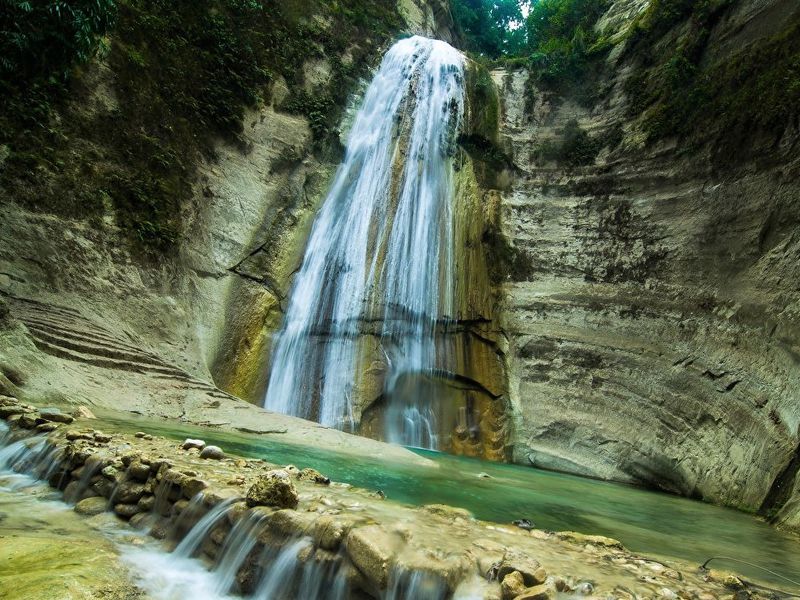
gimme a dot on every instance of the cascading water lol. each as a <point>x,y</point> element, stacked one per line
<point>379,260</point>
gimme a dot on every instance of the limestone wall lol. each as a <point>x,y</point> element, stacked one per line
<point>654,329</point>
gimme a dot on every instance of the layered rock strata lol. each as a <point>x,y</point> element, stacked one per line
<point>652,317</point>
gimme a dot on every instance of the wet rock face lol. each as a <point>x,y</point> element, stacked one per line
<point>654,328</point>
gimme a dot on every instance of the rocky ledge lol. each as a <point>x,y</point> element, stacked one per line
<point>170,488</point>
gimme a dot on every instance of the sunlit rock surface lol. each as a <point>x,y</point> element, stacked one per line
<point>654,328</point>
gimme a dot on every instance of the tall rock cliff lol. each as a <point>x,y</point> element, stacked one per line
<point>168,193</point>
<point>653,311</point>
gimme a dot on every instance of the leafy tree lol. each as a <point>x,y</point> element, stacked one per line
<point>491,27</point>
<point>45,38</point>
<point>561,37</point>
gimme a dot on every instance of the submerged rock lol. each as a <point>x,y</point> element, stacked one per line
<point>91,506</point>
<point>313,475</point>
<point>83,413</point>
<point>274,488</point>
<point>55,415</point>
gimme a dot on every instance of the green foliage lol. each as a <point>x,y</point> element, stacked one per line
<point>563,42</point>
<point>481,132</point>
<point>182,75</point>
<point>505,261</point>
<point>484,103</point>
<point>576,147</point>
<point>755,91</point>
<point>491,28</point>
<point>45,38</point>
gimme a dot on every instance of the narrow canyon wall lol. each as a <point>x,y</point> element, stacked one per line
<point>653,316</point>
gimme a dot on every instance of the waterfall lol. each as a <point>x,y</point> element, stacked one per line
<point>197,535</point>
<point>379,261</point>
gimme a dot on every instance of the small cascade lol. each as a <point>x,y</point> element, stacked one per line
<point>278,579</point>
<point>376,287</point>
<point>416,584</point>
<point>418,428</point>
<point>25,461</point>
<point>194,539</point>
<point>74,492</point>
<point>297,570</point>
<point>238,545</point>
<point>251,560</point>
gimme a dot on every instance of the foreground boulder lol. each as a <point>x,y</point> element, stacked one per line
<point>212,452</point>
<point>190,443</point>
<point>274,488</point>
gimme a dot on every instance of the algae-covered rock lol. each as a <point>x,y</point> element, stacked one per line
<point>314,476</point>
<point>10,409</point>
<point>91,506</point>
<point>192,486</point>
<point>129,492</point>
<point>594,540</point>
<point>274,488</point>
<point>447,512</point>
<point>55,415</point>
<point>139,471</point>
<point>126,511</point>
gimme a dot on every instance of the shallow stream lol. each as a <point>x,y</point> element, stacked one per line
<point>653,523</point>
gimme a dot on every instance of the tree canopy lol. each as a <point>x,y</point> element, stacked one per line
<point>492,28</point>
<point>558,32</point>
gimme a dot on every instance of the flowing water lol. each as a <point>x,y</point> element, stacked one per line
<point>650,522</point>
<point>660,525</point>
<point>379,261</point>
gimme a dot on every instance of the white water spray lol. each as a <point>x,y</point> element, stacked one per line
<point>379,260</point>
